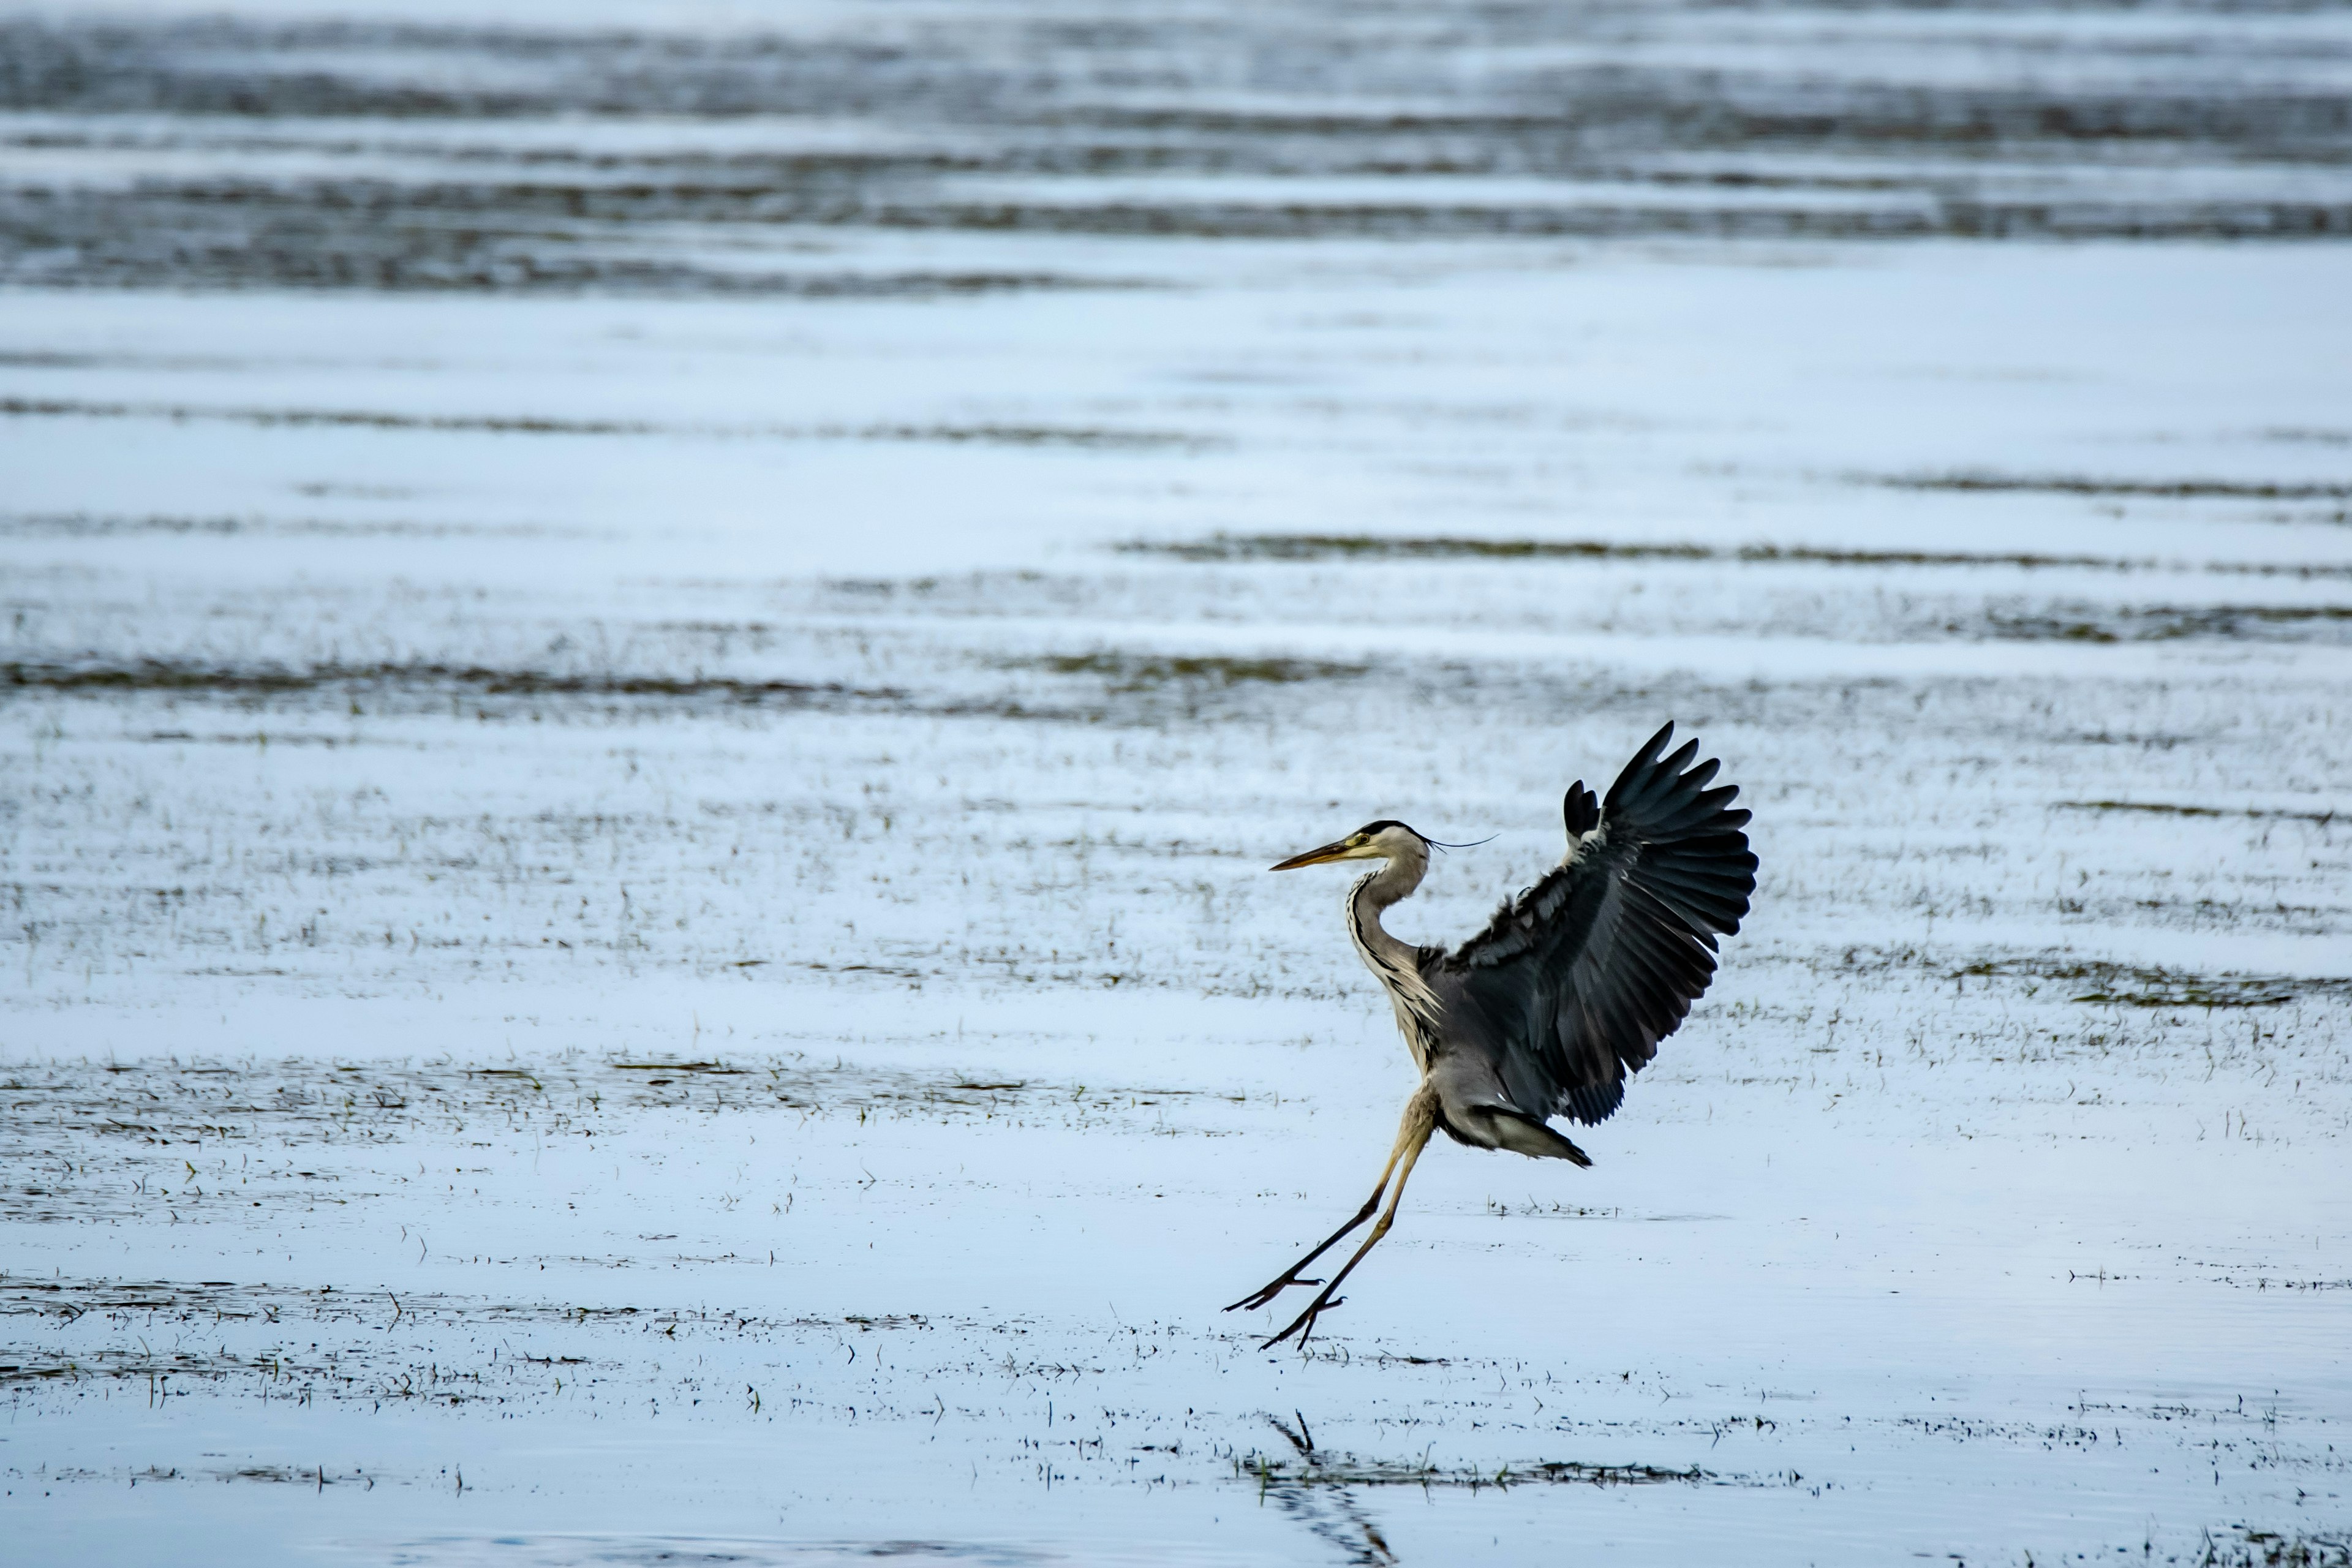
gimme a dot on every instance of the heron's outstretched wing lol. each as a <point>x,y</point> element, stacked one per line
<point>1580,977</point>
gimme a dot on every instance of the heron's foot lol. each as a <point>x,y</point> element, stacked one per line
<point>1305,1325</point>
<point>1265,1295</point>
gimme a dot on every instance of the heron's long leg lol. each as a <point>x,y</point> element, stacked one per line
<point>1420,1121</point>
<point>1290,1275</point>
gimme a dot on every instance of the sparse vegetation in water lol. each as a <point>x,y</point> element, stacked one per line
<point>1128,672</point>
<point>1315,1468</point>
<point>1226,547</point>
<point>1376,547</point>
<point>102,525</point>
<point>1082,437</point>
<point>2243,1546</point>
<point>2169,808</point>
<point>2128,986</point>
<point>2160,623</point>
<point>171,675</point>
<point>2087,485</point>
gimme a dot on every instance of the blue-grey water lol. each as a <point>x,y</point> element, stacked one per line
<point>649,656</point>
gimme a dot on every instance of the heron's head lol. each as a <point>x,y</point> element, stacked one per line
<point>1374,841</point>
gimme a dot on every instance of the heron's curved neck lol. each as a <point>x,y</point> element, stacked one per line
<point>1373,894</point>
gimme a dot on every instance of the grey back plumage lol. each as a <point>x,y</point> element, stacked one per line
<point>1573,983</point>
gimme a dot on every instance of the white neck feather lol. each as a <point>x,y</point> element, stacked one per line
<point>1395,964</point>
<point>1372,894</point>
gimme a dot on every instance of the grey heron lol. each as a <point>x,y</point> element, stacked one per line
<point>1565,993</point>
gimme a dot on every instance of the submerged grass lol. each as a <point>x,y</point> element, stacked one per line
<point>164,675</point>
<point>2163,623</point>
<point>310,1345</point>
<point>193,1139</point>
<point>1188,678</point>
<point>2242,1546</point>
<point>1317,1469</point>
<point>2166,808</point>
<point>91,525</point>
<point>2087,484</point>
<point>2131,986</point>
<point>1377,547</point>
<point>195,1102</point>
<point>536,425</point>
<point>1144,672</point>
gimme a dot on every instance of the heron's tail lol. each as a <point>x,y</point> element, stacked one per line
<point>1525,1135</point>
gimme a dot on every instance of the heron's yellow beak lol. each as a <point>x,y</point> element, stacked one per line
<point>1342,850</point>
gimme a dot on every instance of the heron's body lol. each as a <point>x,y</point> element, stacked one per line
<point>1569,989</point>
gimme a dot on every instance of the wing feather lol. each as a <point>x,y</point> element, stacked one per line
<point>1583,973</point>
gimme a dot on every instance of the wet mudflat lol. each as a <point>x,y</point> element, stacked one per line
<point>647,666</point>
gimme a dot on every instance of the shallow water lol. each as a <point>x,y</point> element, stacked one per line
<point>650,662</point>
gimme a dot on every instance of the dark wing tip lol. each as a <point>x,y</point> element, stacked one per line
<point>1582,810</point>
<point>1645,771</point>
